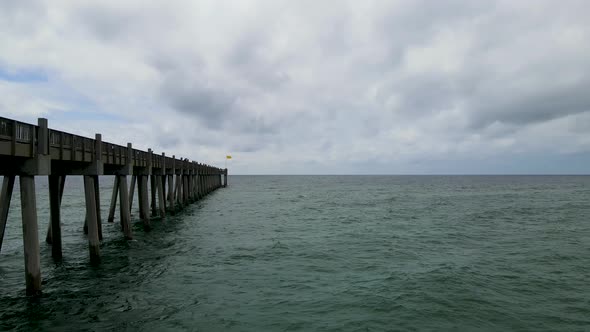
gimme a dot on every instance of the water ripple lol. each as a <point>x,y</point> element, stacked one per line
<point>322,254</point>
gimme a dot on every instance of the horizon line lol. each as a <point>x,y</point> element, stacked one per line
<point>433,174</point>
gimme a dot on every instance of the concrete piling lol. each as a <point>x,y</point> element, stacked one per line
<point>171,192</point>
<point>62,183</point>
<point>164,179</point>
<point>124,207</point>
<point>153,195</point>
<point>85,228</point>
<point>91,216</point>
<point>97,198</point>
<point>144,212</point>
<point>195,183</point>
<point>55,220</point>
<point>162,189</point>
<point>178,191</point>
<point>114,200</point>
<point>171,197</point>
<point>140,200</point>
<point>200,180</point>
<point>184,189</point>
<point>131,191</point>
<point>189,186</point>
<point>161,201</point>
<point>30,235</point>
<point>5,197</point>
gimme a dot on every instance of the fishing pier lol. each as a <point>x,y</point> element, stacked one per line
<point>28,150</point>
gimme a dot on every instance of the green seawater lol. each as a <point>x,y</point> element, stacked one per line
<point>320,253</point>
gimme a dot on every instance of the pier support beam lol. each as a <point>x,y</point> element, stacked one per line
<point>189,181</point>
<point>144,207</point>
<point>55,220</point>
<point>114,200</point>
<point>189,186</point>
<point>178,191</point>
<point>196,185</point>
<point>201,181</point>
<point>124,207</point>
<point>161,200</point>
<point>5,197</point>
<point>185,190</point>
<point>30,234</point>
<point>140,196</point>
<point>171,193</point>
<point>97,198</point>
<point>153,194</point>
<point>131,191</point>
<point>91,216</point>
<point>163,178</point>
<point>208,181</point>
<point>49,236</point>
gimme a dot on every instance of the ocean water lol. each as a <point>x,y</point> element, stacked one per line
<point>321,253</point>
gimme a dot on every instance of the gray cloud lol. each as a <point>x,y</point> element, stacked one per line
<point>19,17</point>
<point>106,23</point>
<point>395,84</point>
<point>208,104</point>
<point>538,106</point>
<point>168,140</point>
<point>247,57</point>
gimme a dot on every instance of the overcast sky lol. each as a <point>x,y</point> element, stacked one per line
<point>311,87</point>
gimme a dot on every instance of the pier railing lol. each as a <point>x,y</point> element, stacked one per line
<point>19,139</point>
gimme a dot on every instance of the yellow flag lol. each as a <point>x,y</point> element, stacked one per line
<point>227,157</point>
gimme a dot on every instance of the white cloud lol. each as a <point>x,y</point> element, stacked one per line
<point>307,86</point>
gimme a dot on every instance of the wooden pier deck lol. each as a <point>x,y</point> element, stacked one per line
<point>28,150</point>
